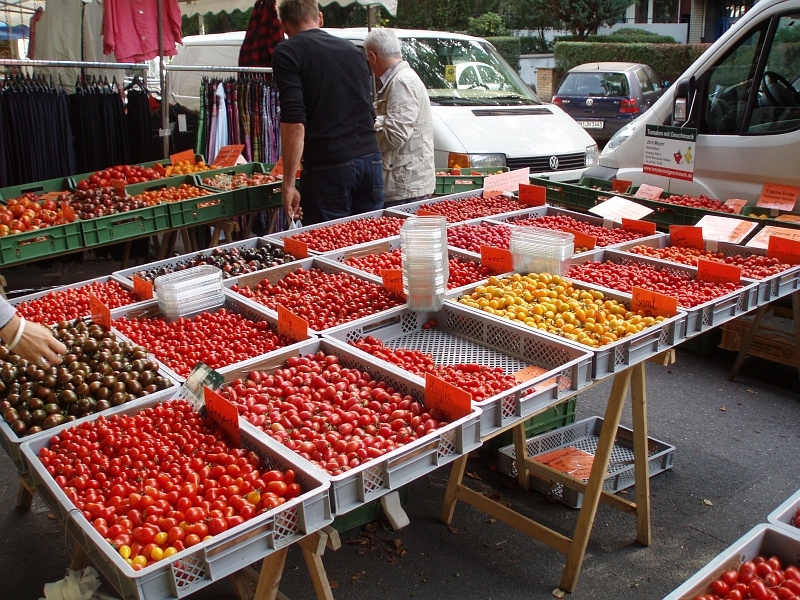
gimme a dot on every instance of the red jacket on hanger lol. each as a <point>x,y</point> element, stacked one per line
<point>130,29</point>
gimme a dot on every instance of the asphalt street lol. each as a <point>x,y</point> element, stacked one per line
<point>735,461</point>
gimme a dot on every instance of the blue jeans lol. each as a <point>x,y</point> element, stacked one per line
<point>336,191</point>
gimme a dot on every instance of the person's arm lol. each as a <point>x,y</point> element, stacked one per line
<point>33,342</point>
<point>292,136</point>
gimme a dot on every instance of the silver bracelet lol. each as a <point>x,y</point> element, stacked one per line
<point>18,335</point>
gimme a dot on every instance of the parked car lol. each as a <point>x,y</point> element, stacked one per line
<point>603,97</point>
<point>476,74</point>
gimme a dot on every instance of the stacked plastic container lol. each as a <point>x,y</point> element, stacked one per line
<point>189,291</point>
<point>538,250</point>
<point>425,264</point>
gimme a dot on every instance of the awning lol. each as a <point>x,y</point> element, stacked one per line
<point>194,7</point>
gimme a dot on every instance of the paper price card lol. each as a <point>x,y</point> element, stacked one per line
<point>499,260</point>
<point>67,211</point>
<point>142,288</point>
<point>686,236</point>
<point>620,186</point>
<point>159,168</point>
<point>505,182</point>
<point>582,240</point>
<point>574,462</point>
<point>393,281</point>
<point>424,212</point>
<point>784,249</point>
<point>446,400</point>
<point>718,272</point>
<point>788,218</point>
<point>725,229</point>
<point>224,414</point>
<point>737,204</point>
<point>641,227</point>
<point>616,208</point>
<point>290,325</point>
<point>653,304</point>
<point>202,376</point>
<point>532,195</point>
<point>50,196</point>
<point>761,239</point>
<point>779,197</point>
<point>227,155</point>
<point>650,192</point>
<point>295,247</point>
<point>185,156</point>
<point>119,186</point>
<point>101,314</point>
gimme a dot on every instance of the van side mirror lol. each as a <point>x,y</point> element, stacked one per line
<point>680,104</point>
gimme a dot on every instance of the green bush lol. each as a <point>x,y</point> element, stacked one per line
<point>487,25</point>
<point>534,45</point>
<point>508,47</point>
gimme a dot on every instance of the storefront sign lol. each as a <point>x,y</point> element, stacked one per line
<point>670,151</point>
<point>505,182</point>
<point>615,209</point>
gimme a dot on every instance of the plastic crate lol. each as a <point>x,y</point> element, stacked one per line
<point>41,243</point>
<point>560,415</point>
<point>257,197</point>
<point>468,180</point>
<point>126,225</point>
<point>196,567</point>
<point>465,336</point>
<point>412,207</point>
<point>774,340</point>
<point>783,516</point>
<point>59,184</point>
<point>372,479</point>
<point>366,514</point>
<point>585,435</point>
<point>762,540</point>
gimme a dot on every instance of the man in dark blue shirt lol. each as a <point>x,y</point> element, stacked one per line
<point>327,120</point>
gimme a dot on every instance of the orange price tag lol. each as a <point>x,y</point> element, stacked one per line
<point>649,191</point>
<point>119,186</point>
<point>784,249</point>
<point>653,304</point>
<point>788,218</point>
<point>50,196</point>
<point>159,168</point>
<point>532,195</point>
<point>505,182</point>
<point>185,156</point>
<point>718,272</point>
<point>142,288</point>
<point>424,212</point>
<point>574,462</point>
<point>620,186</point>
<point>290,325</point>
<point>224,414</point>
<point>737,204</point>
<point>68,212</point>
<point>101,314</point>
<point>228,155</point>
<point>445,399</point>
<point>636,226</point>
<point>393,281</point>
<point>277,170</point>
<point>686,236</point>
<point>499,260</point>
<point>295,247</point>
<point>780,197</point>
<point>582,240</point>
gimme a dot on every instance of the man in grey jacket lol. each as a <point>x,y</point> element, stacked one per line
<point>404,123</point>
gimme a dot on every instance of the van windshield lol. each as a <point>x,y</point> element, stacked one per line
<point>464,72</point>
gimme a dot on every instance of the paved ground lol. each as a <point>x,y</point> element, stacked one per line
<point>736,460</point>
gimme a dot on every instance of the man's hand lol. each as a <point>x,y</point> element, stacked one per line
<point>291,202</point>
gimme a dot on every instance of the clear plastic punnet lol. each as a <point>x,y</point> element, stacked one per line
<point>425,261</point>
<point>539,250</point>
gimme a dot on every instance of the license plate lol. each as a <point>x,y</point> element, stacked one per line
<point>591,124</point>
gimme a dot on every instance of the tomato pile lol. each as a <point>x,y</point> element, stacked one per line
<point>604,236</point>
<point>473,208</point>
<point>185,167</point>
<point>73,303</point>
<point>334,416</point>
<point>796,519</point>
<point>481,381</point>
<point>126,173</point>
<point>760,579</point>
<point>224,181</point>
<point>98,372</point>
<point>689,292</point>
<point>100,201</point>
<point>26,213</point>
<point>218,339</point>
<point>472,237</point>
<point>462,272</point>
<point>550,303</point>
<point>323,299</point>
<point>178,193</point>
<point>702,201</point>
<point>161,480</point>
<point>754,266</point>
<point>350,233</point>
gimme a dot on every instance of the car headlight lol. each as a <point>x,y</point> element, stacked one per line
<point>459,160</point>
<point>620,137</point>
<point>591,155</point>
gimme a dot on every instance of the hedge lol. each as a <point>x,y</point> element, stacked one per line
<point>508,47</point>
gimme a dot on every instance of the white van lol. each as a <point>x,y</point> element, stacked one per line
<point>743,97</point>
<point>475,124</point>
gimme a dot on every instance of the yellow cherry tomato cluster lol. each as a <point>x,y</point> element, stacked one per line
<point>185,167</point>
<point>550,303</point>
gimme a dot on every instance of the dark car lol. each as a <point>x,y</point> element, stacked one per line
<point>602,97</point>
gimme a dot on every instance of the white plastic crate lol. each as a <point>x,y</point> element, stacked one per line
<point>464,336</point>
<point>411,208</point>
<point>783,516</point>
<point>585,435</point>
<point>379,476</point>
<point>196,567</point>
<point>764,539</point>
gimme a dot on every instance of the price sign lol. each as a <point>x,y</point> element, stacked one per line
<point>616,208</point>
<point>50,196</point>
<point>532,195</point>
<point>574,462</point>
<point>446,400</point>
<point>101,314</point>
<point>224,414</point>
<point>295,247</point>
<point>142,288</point>
<point>582,240</point>
<point>653,304</point>
<point>185,156</point>
<point>499,260</point>
<point>67,212</point>
<point>649,192</point>
<point>159,168</point>
<point>718,272</point>
<point>737,204</point>
<point>761,239</point>
<point>779,197</point>
<point>119,186</point>
<point>505,182</point>
<point>784,249</point>
<point>725,229</point>
<point>393,281</point>
<point>686,236</point>
<point>202,376</point>
<point>290,325</point>
<point>228,155</point>
<point>424,212</point>
<point>641,227</point>
<point>620,186</point>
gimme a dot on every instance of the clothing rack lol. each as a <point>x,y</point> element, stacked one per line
<point>17,62</point>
